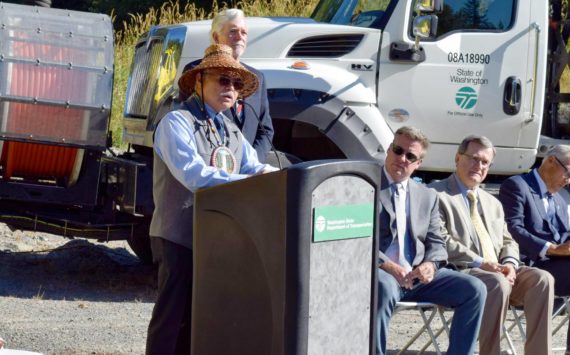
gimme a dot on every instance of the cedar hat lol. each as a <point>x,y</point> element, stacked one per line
<point>219,56</point>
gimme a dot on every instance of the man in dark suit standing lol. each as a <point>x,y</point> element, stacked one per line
<point>537,217</point>
<point>412,252</point>
<point>479,244</point>
<point>252,115</point>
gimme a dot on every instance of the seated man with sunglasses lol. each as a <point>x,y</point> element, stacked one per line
<point>412,251</point>
<point>479,244</point>
<point>537,217</point>
<point>195,146</point>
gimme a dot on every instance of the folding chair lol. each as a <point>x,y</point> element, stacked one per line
<point>518,319</point>
<point>428,311</point>
<point>517,322</point>
<point>562,310</point>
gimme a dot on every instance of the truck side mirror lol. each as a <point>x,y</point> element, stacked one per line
<point>425,27</point>
<point>429,6</point>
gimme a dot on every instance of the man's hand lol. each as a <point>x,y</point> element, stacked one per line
<point>510,273</point>
<point>424,273</point>
<point>264,171</point>
<point>491,267</point>
<point>559,250</point>
<point>398,272</point>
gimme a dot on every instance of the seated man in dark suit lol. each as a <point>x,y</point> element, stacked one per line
<point>479,244</point>
<point>412,252</point>
<point>537,217</point>
<point>252,115</point>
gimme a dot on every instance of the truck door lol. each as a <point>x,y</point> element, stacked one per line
<point>483,73</point>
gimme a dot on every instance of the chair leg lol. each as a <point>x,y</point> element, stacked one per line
<point>444,327</point>
<point>507,336</point>
<point>559,311</point>
<point>564,307</point>
<point>518,321</point>
<point>432,336</point>
<point>443,320</point>
<point>427,320</point>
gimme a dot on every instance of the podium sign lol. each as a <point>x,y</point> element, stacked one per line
<point>285,263</point>
<point>343,222</point>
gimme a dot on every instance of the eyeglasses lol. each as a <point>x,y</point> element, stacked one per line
<point>224,80</point>
<point>475,160</point>
<point>566,171</point>
<point>411,157</point>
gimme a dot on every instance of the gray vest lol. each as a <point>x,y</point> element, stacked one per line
<point>173,202</point>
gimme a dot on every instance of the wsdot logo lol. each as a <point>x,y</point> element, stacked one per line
<point>320,224</point>
<point>466,97</point>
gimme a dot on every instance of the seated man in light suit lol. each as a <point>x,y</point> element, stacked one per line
<point>479,244</point>
<point>412,252</point>
<point>537,217</point>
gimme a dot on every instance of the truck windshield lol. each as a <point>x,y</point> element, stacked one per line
<point>362,13</point>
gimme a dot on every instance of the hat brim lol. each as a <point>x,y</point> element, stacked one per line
<point>187,81</point>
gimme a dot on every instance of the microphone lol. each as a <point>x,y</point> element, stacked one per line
<point>242,101</point>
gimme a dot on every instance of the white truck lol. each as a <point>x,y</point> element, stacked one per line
<point>339,83</point>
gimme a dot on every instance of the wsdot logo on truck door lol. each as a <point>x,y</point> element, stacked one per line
<point>466,97</point>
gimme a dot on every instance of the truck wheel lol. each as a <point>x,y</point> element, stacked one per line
<point>43,3</point>
<point>284,160</point>
<point>140,242</point>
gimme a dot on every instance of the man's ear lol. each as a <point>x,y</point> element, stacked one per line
<point>198,85</point>
<point>456,158</point>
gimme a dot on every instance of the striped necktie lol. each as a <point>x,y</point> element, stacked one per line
<point>404,243</point>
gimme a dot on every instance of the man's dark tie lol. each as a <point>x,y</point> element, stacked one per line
<point>218,121</point>
<point>551,213</point>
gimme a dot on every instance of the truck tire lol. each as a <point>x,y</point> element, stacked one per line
<point>140,242</point>
<point>41,3</point>
<point>281,159</point>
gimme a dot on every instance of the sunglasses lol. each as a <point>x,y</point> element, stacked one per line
<point>411,157</point>
<point>566,171</point>
<point>227,81</point>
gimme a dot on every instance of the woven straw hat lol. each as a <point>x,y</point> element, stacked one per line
<point>219,56</point>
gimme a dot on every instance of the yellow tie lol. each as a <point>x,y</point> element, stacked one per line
<point>484,237</point>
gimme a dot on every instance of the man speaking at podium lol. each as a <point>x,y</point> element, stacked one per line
<point>195,146</point>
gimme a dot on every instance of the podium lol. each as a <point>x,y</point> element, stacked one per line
<point>285,263</point>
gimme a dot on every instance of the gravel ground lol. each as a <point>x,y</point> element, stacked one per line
<point>61,296</point>
<point>78,297</point>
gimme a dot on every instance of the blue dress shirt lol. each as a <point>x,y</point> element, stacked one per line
<point>175,144</point>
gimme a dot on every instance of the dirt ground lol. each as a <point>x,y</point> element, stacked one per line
<point>60,296</point>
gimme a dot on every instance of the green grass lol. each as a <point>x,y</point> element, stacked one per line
<point>171,13</point>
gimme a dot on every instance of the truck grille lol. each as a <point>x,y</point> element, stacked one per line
<point>328,46</point>
<point>144,77</point>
